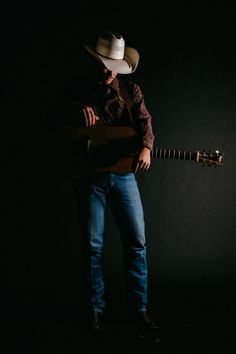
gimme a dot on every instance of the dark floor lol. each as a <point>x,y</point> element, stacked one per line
<point>184,329</point>
<point>194,318</point>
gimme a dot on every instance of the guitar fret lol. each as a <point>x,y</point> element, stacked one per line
<point>197,156</point>
<point>172,154</point>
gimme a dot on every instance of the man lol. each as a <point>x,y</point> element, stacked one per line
<point>104,97</point>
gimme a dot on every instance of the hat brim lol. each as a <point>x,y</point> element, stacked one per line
<point>122,66</point>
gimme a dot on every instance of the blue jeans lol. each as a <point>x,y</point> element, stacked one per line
<point>122,194</point>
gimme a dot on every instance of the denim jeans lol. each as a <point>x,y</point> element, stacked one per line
<point>122,193</point>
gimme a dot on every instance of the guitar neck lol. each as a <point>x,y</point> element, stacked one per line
<point>171,154</point>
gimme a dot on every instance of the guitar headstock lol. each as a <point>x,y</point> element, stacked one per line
<point>210,158</point>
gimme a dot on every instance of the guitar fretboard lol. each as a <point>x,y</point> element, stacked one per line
<point>174,154</point>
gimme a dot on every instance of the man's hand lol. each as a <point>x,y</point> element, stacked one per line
<point>90,117</point>
<point>143,160</point>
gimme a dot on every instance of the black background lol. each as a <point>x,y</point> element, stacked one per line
<point>188,78</point>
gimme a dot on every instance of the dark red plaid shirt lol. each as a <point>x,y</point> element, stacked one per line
<point>109,104</point>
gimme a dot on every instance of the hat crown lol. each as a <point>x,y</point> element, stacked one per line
<point>111,51</point>
<point>111,46</point>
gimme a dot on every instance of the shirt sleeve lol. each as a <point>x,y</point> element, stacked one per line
<point>142,118</point>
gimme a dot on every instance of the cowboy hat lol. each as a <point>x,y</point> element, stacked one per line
<point>112,52</point>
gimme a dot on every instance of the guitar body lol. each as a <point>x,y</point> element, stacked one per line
<point>83,151</point>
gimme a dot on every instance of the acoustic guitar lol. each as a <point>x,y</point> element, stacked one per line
<point>83,151</point>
